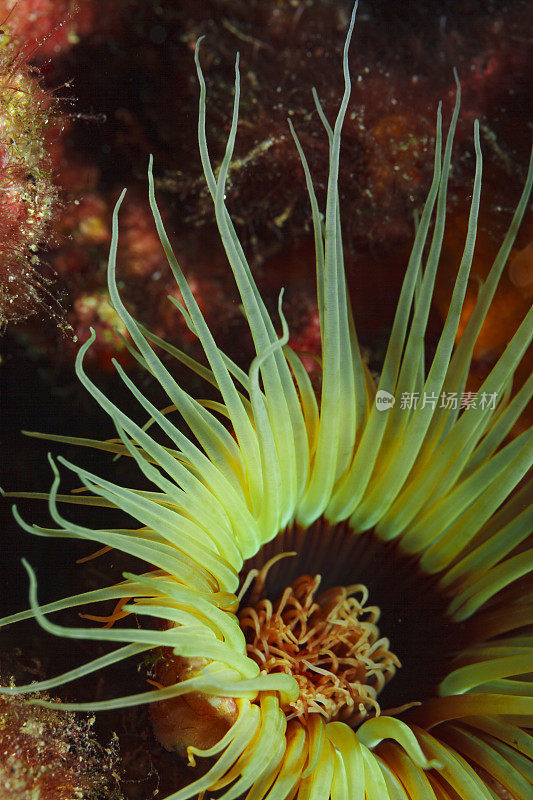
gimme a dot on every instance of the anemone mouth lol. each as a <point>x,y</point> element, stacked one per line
<point>329,642</point>
<point>408,605</point>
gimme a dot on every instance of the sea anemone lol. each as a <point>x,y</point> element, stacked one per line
<point>270,526</point>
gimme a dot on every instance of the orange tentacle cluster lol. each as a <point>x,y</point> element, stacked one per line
<point>329,643</point>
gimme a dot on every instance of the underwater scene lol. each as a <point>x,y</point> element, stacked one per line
<point>266,272</point>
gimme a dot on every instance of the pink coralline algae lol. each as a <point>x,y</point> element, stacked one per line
<point>54,26</point>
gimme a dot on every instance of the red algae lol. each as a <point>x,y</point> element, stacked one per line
<point>52,755</point>
<point>28,194</point>
<point>54,26</point>
<point>150,106</point>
